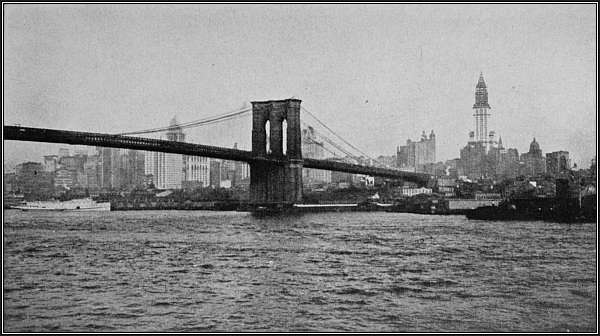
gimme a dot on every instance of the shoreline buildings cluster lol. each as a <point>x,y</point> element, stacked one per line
<point>483,162</point>
<point>484,157</point>
<point>117,170</point>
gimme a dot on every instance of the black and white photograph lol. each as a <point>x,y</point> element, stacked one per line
<point>299,167</point>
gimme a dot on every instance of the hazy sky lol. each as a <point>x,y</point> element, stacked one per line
<point>377,74</point>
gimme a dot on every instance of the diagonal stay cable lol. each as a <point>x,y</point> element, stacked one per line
<point>335,155</point>
<point>333,132</point>
<point>337,135</point>
<point>331,142</point>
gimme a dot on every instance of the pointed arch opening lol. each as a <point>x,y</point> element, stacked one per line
<point>268,137</point>
<point>284,136</point>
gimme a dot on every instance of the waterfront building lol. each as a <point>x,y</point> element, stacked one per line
<point>137,166</point>
<point>435,169</point>
<point>341,179</point>
<point>128,169</point>
<point>116,166</point>
<point>32,180</point>
<point>508,164</point>
<point>197,169</point>
<point>50,163</point>
<point>90,173</point>
<point>473,159</point>
<point>167,169</point>
<point>227,173</point>
<point>242,174</point>
<point>215,173</point>
<point>452,167</point>
<point>64,178</point>
<point>388,161</point>
<point>416,155</point>
<point>446,186</point>
<point>412,191</point>
<point>73,163</point>
<point>557,163</point>
<point>487,196</point>
<point>312,147</point>
<point>104,168</point>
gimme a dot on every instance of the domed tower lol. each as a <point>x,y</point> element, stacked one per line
<point>534,148</point>
<point>482,111</point>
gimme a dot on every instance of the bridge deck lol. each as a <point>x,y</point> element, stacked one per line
<point>155,145</point>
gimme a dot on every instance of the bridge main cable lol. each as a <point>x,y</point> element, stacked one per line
<point>196,123</point>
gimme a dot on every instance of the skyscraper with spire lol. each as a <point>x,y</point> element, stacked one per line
<point>482,113</point>
<point>481,110</point>
<point>482,152</point>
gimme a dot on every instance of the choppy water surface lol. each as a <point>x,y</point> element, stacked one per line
<point>194,271</point>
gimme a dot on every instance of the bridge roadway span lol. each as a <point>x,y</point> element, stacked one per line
<point>155,145</point>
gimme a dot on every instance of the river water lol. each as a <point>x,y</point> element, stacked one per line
<point>202,271</point>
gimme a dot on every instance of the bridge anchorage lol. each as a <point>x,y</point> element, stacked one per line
<point>276,186</point>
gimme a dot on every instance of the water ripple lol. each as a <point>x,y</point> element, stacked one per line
<point>195,271</point>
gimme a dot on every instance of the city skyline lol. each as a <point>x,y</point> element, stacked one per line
<point>71,66</point>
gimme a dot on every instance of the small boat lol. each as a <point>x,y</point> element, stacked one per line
<point>84,204</point>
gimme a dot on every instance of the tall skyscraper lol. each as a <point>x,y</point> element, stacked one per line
<point>481,156</point>
<point>482,111</point>
<point>105,167</point>
<point>416,155</point>
<point>557,162</point>
<point>91,172</point>
<point>131,167</point>
<point>167,169</point>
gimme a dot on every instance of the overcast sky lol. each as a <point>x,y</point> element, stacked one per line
<point>377,74</point>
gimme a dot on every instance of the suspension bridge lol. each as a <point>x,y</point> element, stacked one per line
<point>275,158</point>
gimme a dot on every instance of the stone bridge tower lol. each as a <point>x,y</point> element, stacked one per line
<point>276,183</point>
